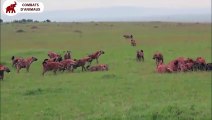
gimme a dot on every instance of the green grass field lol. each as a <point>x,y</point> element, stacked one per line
<point>128,91</point>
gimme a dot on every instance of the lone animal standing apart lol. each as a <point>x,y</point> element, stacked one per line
<point>68,64</point>
<point>140,55</point>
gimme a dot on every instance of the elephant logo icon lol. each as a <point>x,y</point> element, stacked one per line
<point>11,8</point>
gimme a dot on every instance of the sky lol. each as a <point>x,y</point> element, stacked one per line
<point>83,4</point>
<point>80,5</point>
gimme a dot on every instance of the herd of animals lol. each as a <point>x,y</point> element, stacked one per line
<point>56,62</point>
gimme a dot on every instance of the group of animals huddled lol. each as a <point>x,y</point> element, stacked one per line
<point>181,64</point>
<point>56,62</point>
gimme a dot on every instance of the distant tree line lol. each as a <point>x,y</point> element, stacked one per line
<point>27,21</point>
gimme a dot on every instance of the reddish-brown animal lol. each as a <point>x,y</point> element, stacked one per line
<point>68,64</point>
<point>81,63</point>
<point>55,55</point>
<point>67,55</point>
<point>24,63</point>
<point>133,43</point>
<point>96,55</point>
<point>140,55</point>
<point>51,66</point>
<point>2,70</point>
<point>158,57</point>
<point>15,60</point>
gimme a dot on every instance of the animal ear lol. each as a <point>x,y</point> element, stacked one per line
<point>13,57</point>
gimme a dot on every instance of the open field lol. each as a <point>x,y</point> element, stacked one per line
<point>128,91</point>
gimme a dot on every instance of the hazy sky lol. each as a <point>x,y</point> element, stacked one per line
<point>113,9</point>
<point>82,4</point>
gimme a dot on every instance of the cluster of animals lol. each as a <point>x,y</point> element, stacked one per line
<point>56,62</point>
<point>130,36</point>
<point>181,64</point>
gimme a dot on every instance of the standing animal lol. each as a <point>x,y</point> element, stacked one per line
<point>128,36</point>
<point>133,43</point>
<point>55,55</point>
<point>140,55</point>
<point>67,55</point>
<point>96,55</point>
<point>68,64</point>
<point>25,63</point>
<point>2,70</point>
<point>11,8</point>
<point>51,66</point>
<point>15,60</point>
<point>81,63</point>
<point>158,57</point>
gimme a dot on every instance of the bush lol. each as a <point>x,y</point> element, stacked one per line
<point>20,31</point>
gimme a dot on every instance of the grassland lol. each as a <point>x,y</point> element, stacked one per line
<point>128,91</point>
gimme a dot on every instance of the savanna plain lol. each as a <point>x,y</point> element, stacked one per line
<point>130,90</point>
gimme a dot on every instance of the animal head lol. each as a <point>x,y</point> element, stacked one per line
<point>176,62</point>
<point>13,57</point>
<point>4,68</point>
<point>7,69</point>
<point>154,56</point>
<point>189,60</point>
<point>102,52</point>
<point>34,59</point>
